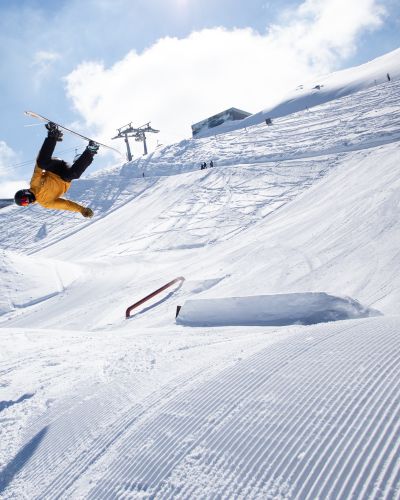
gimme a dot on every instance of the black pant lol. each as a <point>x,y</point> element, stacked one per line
<point>60,167</point>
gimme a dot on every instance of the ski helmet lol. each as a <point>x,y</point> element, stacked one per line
<point>24,197</point>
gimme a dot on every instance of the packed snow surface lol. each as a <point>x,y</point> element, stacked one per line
<point>280,376</point>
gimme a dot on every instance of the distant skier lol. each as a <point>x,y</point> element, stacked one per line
<point>52,177</point>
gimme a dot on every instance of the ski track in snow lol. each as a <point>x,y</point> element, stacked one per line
<point>253,430</point>
<point>96,406</point>
<point>98,414</point>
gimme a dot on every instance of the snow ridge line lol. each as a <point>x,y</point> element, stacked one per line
<point>318,451</point>
<point>244,462</point>
<point>169,449</point>
<point>375,438</point>
<point>311,391</point>
<point>345,428</point>
<point>46,460</point>
<point>65,479</point>
<point>156,397</point>
<point>380,417</point>
<point>275,448</point>
<point>186,421</point>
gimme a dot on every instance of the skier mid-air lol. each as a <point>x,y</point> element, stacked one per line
<point>52,177</point>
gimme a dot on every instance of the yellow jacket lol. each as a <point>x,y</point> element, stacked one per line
<point>48,189</point>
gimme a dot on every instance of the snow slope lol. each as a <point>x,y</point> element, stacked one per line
<point>324,89</point>
<point>301,217</point>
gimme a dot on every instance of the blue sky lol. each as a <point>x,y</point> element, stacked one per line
<point>100,64</point>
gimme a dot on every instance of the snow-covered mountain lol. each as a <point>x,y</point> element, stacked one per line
<point>280,376</point>
<point>322,90</point>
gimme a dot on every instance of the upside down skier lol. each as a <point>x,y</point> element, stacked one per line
<point>52,177</point>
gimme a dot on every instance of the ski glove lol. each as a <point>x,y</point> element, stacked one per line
<point>87,212</point>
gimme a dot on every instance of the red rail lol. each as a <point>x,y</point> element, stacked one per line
<point>148,297</point>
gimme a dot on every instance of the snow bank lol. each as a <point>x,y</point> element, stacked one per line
<point>25,281</point>
<point>272,310</point>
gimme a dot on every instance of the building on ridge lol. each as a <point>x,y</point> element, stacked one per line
<point>231,114</point>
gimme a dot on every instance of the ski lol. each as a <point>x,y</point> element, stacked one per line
<point>32,114</point>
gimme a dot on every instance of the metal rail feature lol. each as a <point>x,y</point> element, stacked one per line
<point>148,297</point>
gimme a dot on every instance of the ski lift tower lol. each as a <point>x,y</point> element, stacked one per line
<point>139,135</point>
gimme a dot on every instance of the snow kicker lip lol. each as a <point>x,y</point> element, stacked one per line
<point>272,310</point>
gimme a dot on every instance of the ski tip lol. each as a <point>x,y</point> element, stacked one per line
<point>31,113</point>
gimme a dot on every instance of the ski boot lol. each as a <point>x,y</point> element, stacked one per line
<point>92,147</point>
<point>54,131</point>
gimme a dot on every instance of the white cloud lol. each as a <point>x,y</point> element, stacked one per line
<point>8,158</point>
<point>44,58</point>
<point>177,82</point>
<point>42,63</point>
<point>329,29</point>
<point>9,188</point>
